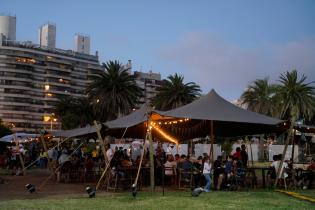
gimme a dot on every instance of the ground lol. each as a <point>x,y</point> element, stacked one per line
<point>14,187</point>
<point>13,195</point>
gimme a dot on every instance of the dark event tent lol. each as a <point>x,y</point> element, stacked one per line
<point>133,125</point>
<point>74,132</point>
<point>228,119</point>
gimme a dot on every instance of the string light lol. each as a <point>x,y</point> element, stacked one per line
<point>165,135</point>
<point>171,122</point>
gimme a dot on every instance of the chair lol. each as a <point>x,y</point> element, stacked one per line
<point>238,180</point>
<point>251,178</point>
<point>185,177</point>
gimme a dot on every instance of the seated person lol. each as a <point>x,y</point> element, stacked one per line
<point>275,164</point>
<point>218,173</point>
<point>271,174</point>
<point>170,168</point>
<point>310,175</point>
<point>230,169</point>
<point>186,166</point>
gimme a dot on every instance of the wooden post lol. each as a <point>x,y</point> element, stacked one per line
<point>151,156</point>
<point>18,151</point>
<point>284,152</point>
<point>251,152</point>
<point>46,150</point>
<point>101,141</point>
<point>211,155</point>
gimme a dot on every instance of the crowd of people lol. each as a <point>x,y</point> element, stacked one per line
<point>172,169</point>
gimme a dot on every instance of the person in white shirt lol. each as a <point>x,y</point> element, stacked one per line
<point>276,164</point>
<point>206,173</point>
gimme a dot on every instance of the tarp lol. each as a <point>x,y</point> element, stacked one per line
<point>213,107</point>
<point>137,117</point>
<point>74,132</point>
<point>228,119</point>
<point>305,128</point>
<point>133,125</point>
<point>20,137</point>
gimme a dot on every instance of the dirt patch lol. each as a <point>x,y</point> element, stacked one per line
<point>13,187</point>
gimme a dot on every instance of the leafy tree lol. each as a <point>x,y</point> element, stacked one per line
<point>4,130</point>
<point>74,112</point>
<point>114,93</point>
<point>175,93</point>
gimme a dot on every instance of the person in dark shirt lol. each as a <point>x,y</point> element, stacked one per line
<point>237,154</point>
<point>244,156</point>
<point>218,173</point>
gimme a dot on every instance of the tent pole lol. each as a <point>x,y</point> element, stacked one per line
<point>18,151</point>
<point>251,152</point>
<point>46,150</point>
<point>101,141</point>
<point>151,155</point>
<point>212,142</point>
<point>284,152</point>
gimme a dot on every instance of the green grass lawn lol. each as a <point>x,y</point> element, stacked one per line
<point>171,200</point>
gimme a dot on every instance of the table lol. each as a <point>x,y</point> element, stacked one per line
<point>263,173</point>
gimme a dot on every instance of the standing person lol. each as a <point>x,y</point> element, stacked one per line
<point>237,154</point>
<point>109,152</point>
<point>206,173</point>
<point>244,155</point>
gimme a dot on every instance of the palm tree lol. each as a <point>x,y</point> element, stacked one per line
<point>174,93</point>
<point>297,98</point>
<point>259,97</point>
<point>74,112</point>
<point>4,130</point>
<point>114,93</point>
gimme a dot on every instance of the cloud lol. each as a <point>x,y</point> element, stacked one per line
<point>213,63</point>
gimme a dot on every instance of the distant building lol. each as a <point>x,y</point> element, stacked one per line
<point>148,82</point>
<point>82,44</point>
<point>7,28</point>
<point>47,35</point>
<point>32,77</point>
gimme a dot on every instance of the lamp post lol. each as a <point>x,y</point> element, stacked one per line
<point>52,119</point>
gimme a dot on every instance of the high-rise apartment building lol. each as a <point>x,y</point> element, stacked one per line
<point>82,44</point>
<point>148,82</point>
<point>47,35</point>
<point>8,27</point>
<point>33,77</point>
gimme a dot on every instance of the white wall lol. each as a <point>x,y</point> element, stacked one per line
<point>255,151</point>
<point>278,149</point>
<point>205,148</point>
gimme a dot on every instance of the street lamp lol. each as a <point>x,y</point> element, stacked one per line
<point>50,118</point>
<point>51,122</point>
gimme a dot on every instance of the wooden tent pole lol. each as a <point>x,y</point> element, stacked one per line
<point>102,176</point>
<point>151,155</point>
<point>251,152</point>
<point>19,153</point>
<point>140,164</point>
<point>284,152</point>
<point>212,143</point>
<point>101,141</point>
<point>46,150</point>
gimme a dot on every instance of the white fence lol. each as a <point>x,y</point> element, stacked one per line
<point>200,149</point>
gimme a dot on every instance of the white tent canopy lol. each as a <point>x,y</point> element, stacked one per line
<point>19,136</point>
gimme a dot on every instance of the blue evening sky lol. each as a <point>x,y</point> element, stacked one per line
<point>222,44</point>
